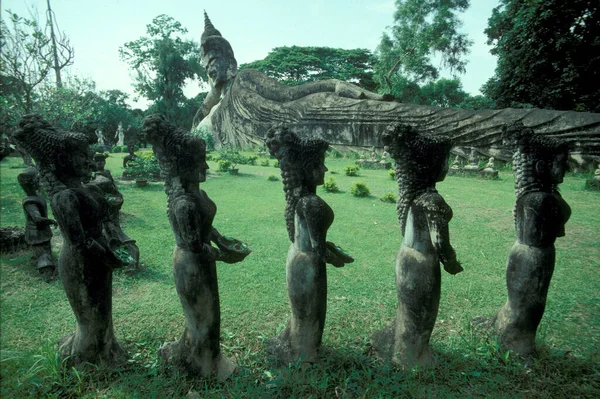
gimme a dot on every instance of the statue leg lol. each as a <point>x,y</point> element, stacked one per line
<point>44,263</point>
<point>88,285</point>
<point>528,274</point>
<point>198,350</point>
<point>418,283</point>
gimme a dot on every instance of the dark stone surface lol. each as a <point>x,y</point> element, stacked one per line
<point>182,157</point>
<point>308,218</point>
<point>421,161</point>
<point>86,262</point>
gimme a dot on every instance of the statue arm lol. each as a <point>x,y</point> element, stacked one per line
<point>189,229</point>
<point>438,215</point>
<point>36,217</point>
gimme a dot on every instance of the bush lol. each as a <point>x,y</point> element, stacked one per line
<point>264,162</point>
<point>351,170</point>
<point>143,167</point>
<point>330,185</point>
<point>136,148</point>
<point>272,177</point>
<point>276,163</point>
<point>360,189</point>
<point>209,157</point>
<point>388,197</point>
<point>224,165</point>
<point>206,135</point>
<point>116,148</point>
<point>233,156</point>
<point>392,174</point>
<point>251,160</point>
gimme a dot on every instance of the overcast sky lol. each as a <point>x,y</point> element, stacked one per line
<point>98,28</point>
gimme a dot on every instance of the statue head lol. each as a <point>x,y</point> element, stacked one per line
<point>64,154</point>
<point>216,56</point>
<point>421,161</point>
<point>540,162</point>
<point>99,162</point>
<point>302,164</point>
<point>29,180</point>
<point>179,153</point>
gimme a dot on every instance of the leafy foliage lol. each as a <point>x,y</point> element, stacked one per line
<point>351,170</point>
<point>163,61</point>
<point>388,197</point>
<point>548,54</point>
<point>330,185</point>
<point>360,189</point>
<point>296,65</point>
<point>421,28</point>
<point>144,166</point>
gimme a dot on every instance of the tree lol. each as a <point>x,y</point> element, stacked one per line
<point>163,61</point>
<point>548,54</point>
<point>62,52</point>
<point>296,65</point>
<point>443,93</point>
<point>422,29</point>
<point>23,57</point>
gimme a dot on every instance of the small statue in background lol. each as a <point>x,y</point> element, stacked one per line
<point>86,261</point>
<point>421,161</point>
<point>120,135</point>
<point>120,242</point>
<point>308,217</point>
<point>473,160</point>
<point>182,158</point>
<point>594,182</point>
<point>37,229</point>
<point>130,157</point>
<point>100,137</point>
<point>540,163</point>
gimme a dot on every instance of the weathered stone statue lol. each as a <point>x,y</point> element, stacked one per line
<point>120,243</point>
<point>307,217</point>
<point>473,161</point>
<point>490,169</point>
<point>129,157</point>
<point>540,216</point>
<point>85,263</point>
<point>37,227</point>
<point>421,161</point>
<point>100,137</point>
<point>345,114</point>
<point>182,158</point>
<point>120,135</point>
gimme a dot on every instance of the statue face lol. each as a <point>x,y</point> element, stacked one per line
<point>315,174</point>
<point>80,163</point>
<point>558,168</point>
<point>219,67</point>
<point>195,173</point>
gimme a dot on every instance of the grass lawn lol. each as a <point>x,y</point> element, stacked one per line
<point>361,298</point>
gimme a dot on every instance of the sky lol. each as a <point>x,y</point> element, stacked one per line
<point>97,29</point>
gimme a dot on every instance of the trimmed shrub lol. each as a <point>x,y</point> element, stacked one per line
<point>251,160</point>
<point>351,170</point>
<point>264,162</point>
<point>276,163</point>
<point>392,174</point>
<point>388,197</point>
<point>360,189</point>
<point>116,148</point>
<point>224,165</point>
<point>330,185</point>
<point>272,177</point>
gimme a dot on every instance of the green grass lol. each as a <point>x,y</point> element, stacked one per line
<point>361,298</point>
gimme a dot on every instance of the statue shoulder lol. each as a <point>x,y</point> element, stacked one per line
<point>433,203</point>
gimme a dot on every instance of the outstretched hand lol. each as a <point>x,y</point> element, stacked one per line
<point>336,256</point>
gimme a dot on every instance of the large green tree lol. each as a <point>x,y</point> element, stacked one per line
<point>422,30</point>
<point>163,61</point>
<point>296,65</point>
<point>548,54</point>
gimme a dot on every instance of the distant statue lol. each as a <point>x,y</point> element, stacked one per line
<point>182,158</point>
<point>130,157</point>
<point>594,182</point>
<point>100,137</point>
<point>473,160</point>
<point>120,135</point>
<point>86,261</point>
<point>348,115</point>
<point>307,217</point>
<point>541,213</point>
<point>37,228</point>
<point>119,240</point>
<point>455,164</point>
<point>421,161</point>
<point>490,164</point>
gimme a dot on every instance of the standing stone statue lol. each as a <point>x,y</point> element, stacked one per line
<point>594,182</point>
<point>421,161</point>
<point>119,241</point>
<point>182,158</point>
<point>100,137</point>
<point>37,228</point>
<point>307,217</point>
<point>120,135</point>
<point>540,215</point>
<point>85,263</point>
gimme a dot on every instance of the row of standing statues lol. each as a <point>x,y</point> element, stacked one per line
<point>87,258</point>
